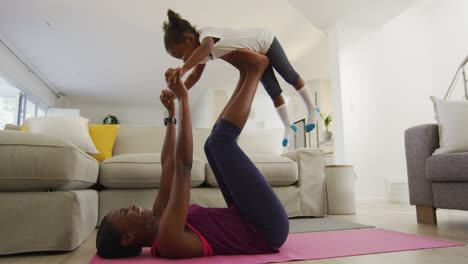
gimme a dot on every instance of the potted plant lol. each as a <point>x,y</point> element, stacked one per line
<point>110,119</point>
<point>327,119</point>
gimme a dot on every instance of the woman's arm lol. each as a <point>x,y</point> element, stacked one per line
<point>205,48</point>
<point>167,156</point>
<point>173,240</point>
<point>194,76</point>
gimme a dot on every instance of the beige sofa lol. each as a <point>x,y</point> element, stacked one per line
<point>133,174</point>
<point>45,200</point>
<point>49,190</point>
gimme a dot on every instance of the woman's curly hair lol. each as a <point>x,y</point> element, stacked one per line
<point>108,242</point>
<point>175,29</point>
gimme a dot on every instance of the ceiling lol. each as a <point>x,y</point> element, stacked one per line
<point>112,50</point>
<point>325,13</point>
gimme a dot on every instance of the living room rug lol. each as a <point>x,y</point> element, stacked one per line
<point>308,246</point>
<point>307,225</point>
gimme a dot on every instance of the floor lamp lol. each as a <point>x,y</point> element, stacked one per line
<point>460,71</point>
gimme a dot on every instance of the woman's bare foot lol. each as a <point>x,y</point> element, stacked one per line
<point>246,60</point>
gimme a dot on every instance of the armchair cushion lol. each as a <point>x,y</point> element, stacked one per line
<point>447,167</point>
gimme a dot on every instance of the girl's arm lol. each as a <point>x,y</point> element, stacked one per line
<point>173,240</point>
<point>167,156</point>
<point>198,54</point>
<point>194,76</point>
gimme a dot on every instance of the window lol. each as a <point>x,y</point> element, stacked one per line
<point>30,109</point>
<point>41,110</point>
<point>9,103</point>
<point>16,106</point>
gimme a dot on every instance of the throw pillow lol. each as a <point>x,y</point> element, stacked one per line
<point>103,137</point>
<point>24,128</point>
<point>74,129</point>
<point>452,117</point>
<point>12,127</point>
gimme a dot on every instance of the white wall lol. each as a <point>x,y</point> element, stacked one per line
<point>201,107</point>
<point>128,115</point>
<point>18,74</point>
<point>386,75</point>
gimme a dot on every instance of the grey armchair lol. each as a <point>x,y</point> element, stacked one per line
<point>435,181</point>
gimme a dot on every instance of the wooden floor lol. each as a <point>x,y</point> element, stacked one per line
<point>452,226</point>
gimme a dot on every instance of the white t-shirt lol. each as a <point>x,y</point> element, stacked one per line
<point>256,39</point>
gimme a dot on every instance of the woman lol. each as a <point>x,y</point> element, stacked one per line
<point>254,222</point>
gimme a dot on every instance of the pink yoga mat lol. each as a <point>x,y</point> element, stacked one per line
<point>307,246</point>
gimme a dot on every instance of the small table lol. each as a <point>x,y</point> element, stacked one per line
<point>328,150</point>
<point>340,189</point>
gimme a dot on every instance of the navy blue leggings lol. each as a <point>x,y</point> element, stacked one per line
<point>242,184</point>
<point>280,62</point>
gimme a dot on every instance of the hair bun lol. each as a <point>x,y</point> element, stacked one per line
<point>174,18</point>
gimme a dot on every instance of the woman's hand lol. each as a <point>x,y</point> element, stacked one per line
<point>182,71</point>
<point>167,99</point>
<point>175,83</point>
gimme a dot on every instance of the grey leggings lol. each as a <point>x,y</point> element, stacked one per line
<point>280,62</point>
<point>243,184</point>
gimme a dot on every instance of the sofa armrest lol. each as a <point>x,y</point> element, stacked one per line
<point>420,142</point>
<point>311,166</point>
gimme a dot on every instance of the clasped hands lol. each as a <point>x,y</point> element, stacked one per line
<point>176,87</point>
<point>175,83</point>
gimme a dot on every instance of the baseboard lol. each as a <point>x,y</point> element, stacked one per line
<point>372,200</point>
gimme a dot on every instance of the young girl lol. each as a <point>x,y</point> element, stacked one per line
<point>195,48</point>
<point>254,222</point>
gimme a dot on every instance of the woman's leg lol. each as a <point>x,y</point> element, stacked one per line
<point>242,75</point>
<point>281,63</point>
<point>251,66</point>
<point>248,188</point>
<point>219,179</point>
<point>222,186</point>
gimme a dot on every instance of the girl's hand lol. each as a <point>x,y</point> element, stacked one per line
<point>175,84</point>
<point>167,99</point>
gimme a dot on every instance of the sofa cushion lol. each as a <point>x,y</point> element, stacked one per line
<point>141,170</point>
<point>32,161</point>
<point>262,141</point>
<point>73,129</point>
<point>447,167</point>
<point>46,221</point>
<point>12,127</point>
<point>277,170</point>
<point>131,140</point>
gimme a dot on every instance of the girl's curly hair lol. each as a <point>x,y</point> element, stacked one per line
<point>175,29</point>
